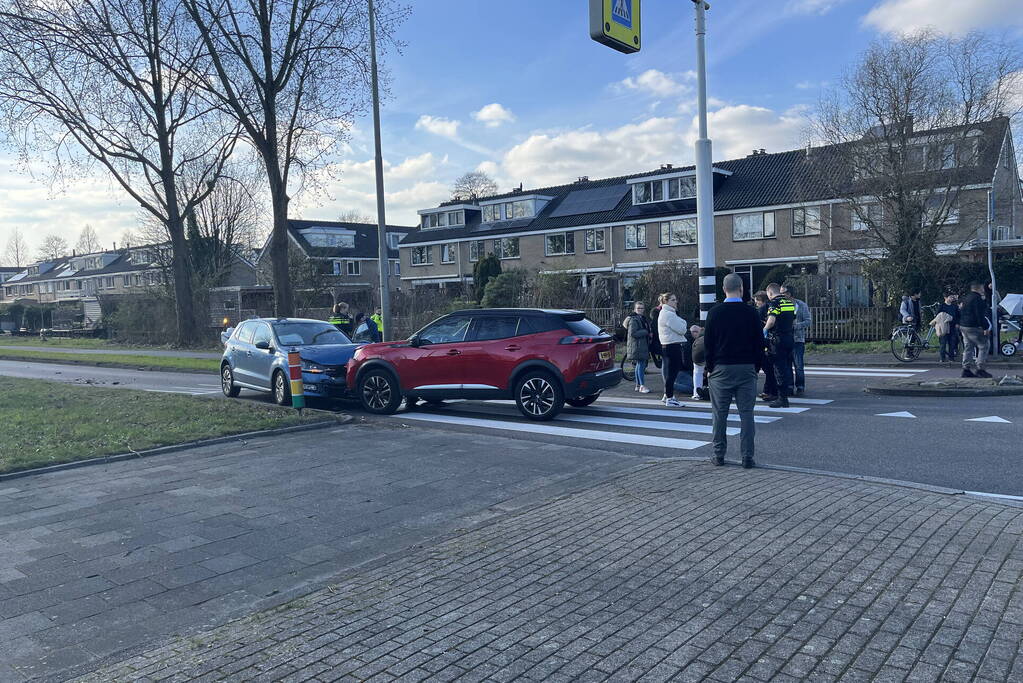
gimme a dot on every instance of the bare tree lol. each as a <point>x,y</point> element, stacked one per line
<point>129,238</point>
<point>88,242</point>
<point>355,216</point>
<point>473,185</point>
<point>16,251</point>
<point>110,84</point>
<point>53,247</point>
<point>905,131</point>
<point>294,74</point>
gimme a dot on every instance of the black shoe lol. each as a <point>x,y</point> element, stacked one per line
<point>982,373</point>
<point>747,463</point>
<point>769,397</point>
<point>703,393</point>
<point>717,460</point>
<point>967,373</point>
<point>799,391</point>
<point>780,402</point>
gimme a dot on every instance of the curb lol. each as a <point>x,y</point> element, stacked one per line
<point>173,448</point>
<point>939,393</point>
<point>142,367</point>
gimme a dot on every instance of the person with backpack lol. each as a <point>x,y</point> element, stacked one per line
<point>637,346</point>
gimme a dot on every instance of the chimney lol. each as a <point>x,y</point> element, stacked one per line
<point>763,151</point>
<point>755,153</point>
<point>115,246</point>
<point>907,124</point>
<point>666,167</point>
<point>583,179</point>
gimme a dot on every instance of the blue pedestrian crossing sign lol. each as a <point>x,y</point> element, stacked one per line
<point>615,23</point>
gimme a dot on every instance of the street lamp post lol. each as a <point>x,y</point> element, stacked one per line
<point>382,260</point>
<point>704,176</point>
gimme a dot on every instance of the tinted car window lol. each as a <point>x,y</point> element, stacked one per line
<point>244,332</point>
<point>262,334</point>
<point>544,323</point>
<point>582,327</point>
<point>497,327</point>
<point>445,331</point>
<point>308,334</point>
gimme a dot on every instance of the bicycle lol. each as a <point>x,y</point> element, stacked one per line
<point>629,366</point>
<point>906,341</point>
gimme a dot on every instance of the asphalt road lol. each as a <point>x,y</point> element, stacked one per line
<point>838,428</point>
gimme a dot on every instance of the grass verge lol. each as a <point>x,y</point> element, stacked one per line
<point>89,343</point>
<point>115,360</point>
<point>46,423</point>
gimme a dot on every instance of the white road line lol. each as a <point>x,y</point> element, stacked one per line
<point>538,428</point>
<point>855,368</point>
<point>901,413</point>
<point>825,373</point>
<point>173,391</point>
<point>808,401</point>
<point>705,406</point>
<point>663,425</point>
<point>656,412</point>
<point>990,418</point>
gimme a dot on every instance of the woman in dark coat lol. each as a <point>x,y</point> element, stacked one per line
<point>637,348</point>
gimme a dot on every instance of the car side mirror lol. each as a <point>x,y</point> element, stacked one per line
<point>414,340</point>
<point>264,345</point>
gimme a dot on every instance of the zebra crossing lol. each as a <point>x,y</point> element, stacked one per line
<point>856,371</point>
<point>645,422</point>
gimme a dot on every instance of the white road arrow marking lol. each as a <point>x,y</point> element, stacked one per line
<point>990,418</point>
<point>899,414</point>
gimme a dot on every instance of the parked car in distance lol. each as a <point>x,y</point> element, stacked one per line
<point>256,357</point>
<point>540,358</point>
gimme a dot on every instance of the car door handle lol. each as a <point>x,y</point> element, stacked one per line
<point>512,347</point>
<point>454,352</point>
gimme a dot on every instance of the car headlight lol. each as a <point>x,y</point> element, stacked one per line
<point>309,366</point>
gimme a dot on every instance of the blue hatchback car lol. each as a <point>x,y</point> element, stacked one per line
<point>256,357</point>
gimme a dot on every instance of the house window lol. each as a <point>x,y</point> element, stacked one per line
<point>635,237</point>
<point>676,233</point>
<point>650,191</point>
<point>937,209</point>
<point>506,247</point>
<point>397,268</point>
<point>421,256</point>
<point>867,216</point>
<point>477,250</point>
<point>559,244</point>
<point>682,188</point>
<point>109,284</point>
<point>392,240</point>
<point>491,213</point>
<point>752,226</point>
<point>447,253</point>
<point>915,157</point>
<point>354,268</point>
<point>443,219</point>
<point>337,268</point>
<point>594,240</point>
<point>806,221</point>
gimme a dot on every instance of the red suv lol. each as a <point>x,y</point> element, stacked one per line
<point>541,358</point>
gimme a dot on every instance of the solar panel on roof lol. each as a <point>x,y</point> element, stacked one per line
<point>593,200</point>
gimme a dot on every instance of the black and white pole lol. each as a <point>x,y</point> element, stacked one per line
<point>382,260</point>
<point>704,177</point>
<point>996,331</point>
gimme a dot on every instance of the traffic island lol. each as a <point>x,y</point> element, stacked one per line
<point>1005,385</point>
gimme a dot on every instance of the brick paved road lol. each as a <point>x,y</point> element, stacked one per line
<point>104,558</point>
<point>675,571</point>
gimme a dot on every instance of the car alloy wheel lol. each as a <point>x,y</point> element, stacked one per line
<point>537,396</point>
<point>227,382</point>
<point>377,395</point>
<point>281,389</point>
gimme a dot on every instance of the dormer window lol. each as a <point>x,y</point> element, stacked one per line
<point>444,219</point>
<point>392,240</point>
<point>650,191</point>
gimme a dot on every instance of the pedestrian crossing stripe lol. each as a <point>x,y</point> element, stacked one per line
<point>553,430</point>
<point>705,405</point>
<point>836,373</point>
<point>857,368</point>
<point>656,412</point>
<point>662,425</point>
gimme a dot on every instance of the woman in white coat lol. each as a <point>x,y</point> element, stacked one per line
<point>671,331</point>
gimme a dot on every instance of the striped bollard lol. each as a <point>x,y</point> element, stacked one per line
<point>295,374</point>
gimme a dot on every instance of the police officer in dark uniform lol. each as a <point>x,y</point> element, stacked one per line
<point>781,314</point>
<point>342,319</point>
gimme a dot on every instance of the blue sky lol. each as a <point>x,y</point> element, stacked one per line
<point>518,89</point>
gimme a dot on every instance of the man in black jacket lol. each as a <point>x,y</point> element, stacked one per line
<point>734,352</point>
<point>973,324</point>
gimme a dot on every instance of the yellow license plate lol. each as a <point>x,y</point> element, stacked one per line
<point>605,355</point>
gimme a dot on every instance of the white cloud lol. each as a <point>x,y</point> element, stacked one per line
<point>493,115</point>
<point>657,83</point>
<point>953,18</point>
<point>438,125</point>
<point>811,85</point>
<point>736,130</point>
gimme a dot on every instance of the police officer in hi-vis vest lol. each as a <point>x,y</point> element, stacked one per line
<point>781,314</point>
<point>342,319</point>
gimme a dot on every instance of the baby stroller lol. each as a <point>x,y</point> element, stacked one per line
<point>1011,319</point>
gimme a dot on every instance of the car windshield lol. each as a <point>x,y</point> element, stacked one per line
<point>308,334</point>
